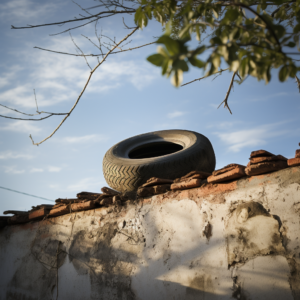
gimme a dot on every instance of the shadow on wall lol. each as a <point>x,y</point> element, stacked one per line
<point>160,252</point>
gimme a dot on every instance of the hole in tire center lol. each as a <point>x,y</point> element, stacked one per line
<point>154,150</point>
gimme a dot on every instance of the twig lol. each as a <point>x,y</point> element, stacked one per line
<point>37,109</point>
<point>84,88</point>
<point>225,101</point>
<point>26,119</point>
<point>198,79</point>
<point>80,50</point>
<point>75,20</point>
<point>103,54</point>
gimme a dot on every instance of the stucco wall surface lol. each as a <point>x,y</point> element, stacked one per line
<point>239,240</point>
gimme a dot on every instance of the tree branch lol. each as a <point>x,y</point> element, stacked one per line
<point>198,79</point>
<point>95,55</point>
<point>84,88</point>
<point>225,101</point>
<point>76,20</point>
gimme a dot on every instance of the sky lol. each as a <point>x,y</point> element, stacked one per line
<point>126,96</point>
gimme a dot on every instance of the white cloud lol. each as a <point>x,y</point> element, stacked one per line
<point>36,170</point>
<point>25,10</point>
<point>8,76</point>
<point>60,78</point>
<point>13,155</point>
<point>85,139</point>
<point>87,184</point>
<point>175,114</point>
<point>255,137</point>
<point>21,126</point>
<point>272,96</point>
<point>54,169</point>
<point>13,170</point>
<point>138,73</point>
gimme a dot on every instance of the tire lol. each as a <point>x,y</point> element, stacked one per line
<point>165,154</point>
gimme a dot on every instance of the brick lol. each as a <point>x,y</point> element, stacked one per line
<point>153,190</point>
<point>15,212</point>
<point>161,189</point>
<point>106,201</point>
<point>256,160</point>
<point>39,214</point>
<point>88,195</point>
<point>59,211</point>
<point>259,153</point>
<point>294,162</point>
<point>18,219</point>
<point>226,169</point>
<point>68,200</point>
<point>265,167</point>
<point>193,175</point>
<point>145,191</point>
<point>107,190</point>
<point>83,206</point>
<point>188,184</point>
<point>157,181</point>
<point>116,198</point>
<point>103,196</point>
<point>234,173</point>
<point>297,154</point>
<point>47,206</point>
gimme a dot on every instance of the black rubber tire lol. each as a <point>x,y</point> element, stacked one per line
<point>125,174</point>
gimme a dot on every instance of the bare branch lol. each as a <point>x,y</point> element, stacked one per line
<point>198,79</point>
<point>26,119</point>
<point>225,101</point>
<point>84,88</point>
<point>38,113</point>
<point>103,54</point>
<point>37,108</point>
<point>80,51</point>
<point>76,20</point>
<point>20,112</point>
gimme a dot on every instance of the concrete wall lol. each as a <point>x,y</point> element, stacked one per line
<point>239,240</point>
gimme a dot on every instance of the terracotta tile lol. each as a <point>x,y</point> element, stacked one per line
<point>109,191</point>
<point>61,210</point>
<point>39,214</point>
<point>256,160</point>
<point>265,167</point>
<point>188,184</point>
<point>294,162</point>
<point>157,181</point>
<point>237,172</point>
<point>226,169</point>
<point>83,206</point>
<point>259,153</point>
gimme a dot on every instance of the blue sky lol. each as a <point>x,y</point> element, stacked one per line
<point>127,96</point>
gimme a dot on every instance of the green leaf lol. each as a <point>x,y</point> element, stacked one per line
<point>244,67</point>
<point>231,14</point>
<point>297,28</point>
<point>180,64</point>
<point>290,44</point>
<point>197,62</point>
<point>177,78</point>
<point>171,44</point>
<point>162,51</point>
<point>215,13</point>
<point>156,59</point>
<point>283,73</point>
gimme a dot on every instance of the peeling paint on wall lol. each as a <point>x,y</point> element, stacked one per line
<point>241,241</point>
